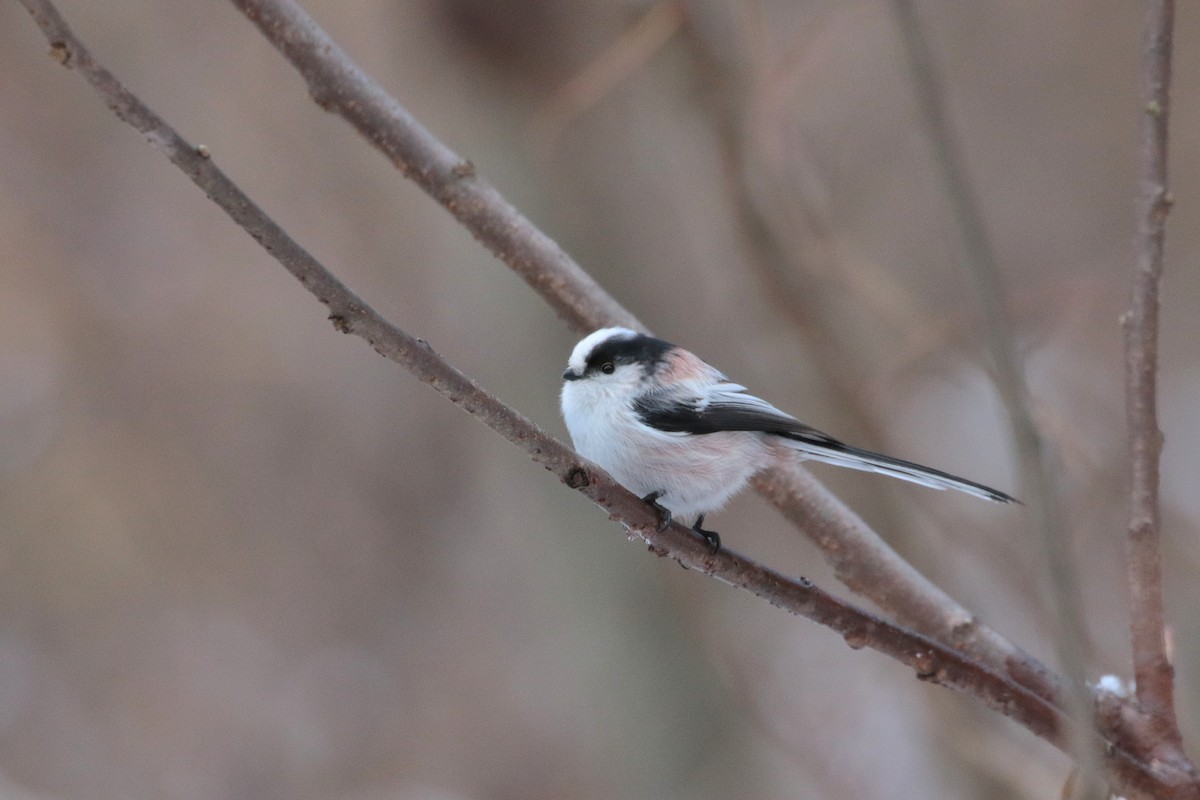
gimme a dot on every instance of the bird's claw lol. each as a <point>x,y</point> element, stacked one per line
<point>664,513</point>
<point>712,537</point>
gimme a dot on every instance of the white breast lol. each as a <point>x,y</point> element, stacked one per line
<point>695,474</point>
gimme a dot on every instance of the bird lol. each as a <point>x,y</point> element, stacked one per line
<point>683,437</point>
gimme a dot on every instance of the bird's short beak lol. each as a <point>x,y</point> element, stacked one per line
<point>571,376</point>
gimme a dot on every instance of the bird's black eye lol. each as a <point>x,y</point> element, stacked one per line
<point>608,368</point>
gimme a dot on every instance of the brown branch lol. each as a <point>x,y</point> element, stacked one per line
<point>1151,663</point>
<point>863,560</point>
<point>446,176</point>
<point>931,660</point>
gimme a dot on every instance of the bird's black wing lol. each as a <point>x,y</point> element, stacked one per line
<point>725,407</point>
<point>728,407</point>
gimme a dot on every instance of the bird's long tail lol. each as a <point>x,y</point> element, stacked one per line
<point>843,455</point>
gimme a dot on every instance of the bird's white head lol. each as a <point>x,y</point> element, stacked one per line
<point>609,367</point>
<point>577,364</point>
<point>616,355</point>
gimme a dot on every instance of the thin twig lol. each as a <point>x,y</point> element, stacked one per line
<point>624,57</point>
<point>1151,662</point>
<point>864,561</point>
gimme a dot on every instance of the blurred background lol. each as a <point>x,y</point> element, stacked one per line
<point>242,556</point>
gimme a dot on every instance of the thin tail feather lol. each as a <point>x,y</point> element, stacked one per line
<point>842,455</point>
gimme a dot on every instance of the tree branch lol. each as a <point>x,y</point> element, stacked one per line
<point>340,85</point>
<point>1151,662</point>
<point>862,559</point>
<point>350,314</point>
<point>931,660</point>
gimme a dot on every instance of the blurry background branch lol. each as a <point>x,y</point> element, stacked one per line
<point>861,558</point>
<point>1040,468</point>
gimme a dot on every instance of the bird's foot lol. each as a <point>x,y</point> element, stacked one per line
<point>664,513</point>
<point>712,537</point>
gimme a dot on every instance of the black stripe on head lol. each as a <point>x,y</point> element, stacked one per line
<point>636,349</point>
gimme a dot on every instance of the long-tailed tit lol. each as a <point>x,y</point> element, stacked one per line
<point>679,434</point>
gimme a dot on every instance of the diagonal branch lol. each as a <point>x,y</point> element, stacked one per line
<point>446,176</point>
<point>860,557</point>
<point>1151,663</point>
